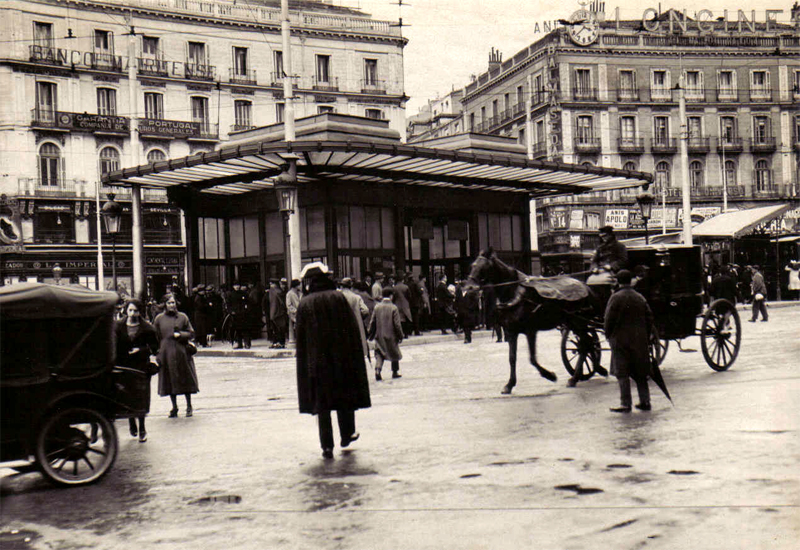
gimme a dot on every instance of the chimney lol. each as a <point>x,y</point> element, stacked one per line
<point>495,59</point>
<point>796,14</point>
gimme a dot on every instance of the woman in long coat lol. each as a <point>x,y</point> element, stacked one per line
<point>331,373</point>
<point>136,342</point>
<point>177,374</point>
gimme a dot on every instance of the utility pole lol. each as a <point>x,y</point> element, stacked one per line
<point>293,223</point>
<point>684,148</point>
<point>136,190</point>
<point>529,144</point>
<point>100,274</point>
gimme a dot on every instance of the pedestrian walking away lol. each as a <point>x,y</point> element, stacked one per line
<point>331,372</point>
<point>759,291</point>
<point>136,342</point>
<point>628,324</point>
<point>177,374</point>
<point>360,310</point>
<point>385,328</point>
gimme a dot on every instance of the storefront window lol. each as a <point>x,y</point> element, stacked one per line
<point>211,234</point>
<point>500,231</point>
<point>365,227</point>
<point>312,229</point>
<point>244,236</point>
<point>274,233</point>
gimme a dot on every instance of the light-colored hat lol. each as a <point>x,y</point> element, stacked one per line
<point>314,269</point>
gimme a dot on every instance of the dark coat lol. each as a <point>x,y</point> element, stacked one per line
<point>385,329</point>
<point>177,374</point>
<point>145,340</point>
<point>331,372</point>
<point>278,314</point>
<point>612,253</point>
<point>723,286</point>
<point>628,322</point>
<point>444,299</point>
<point>401,300</point>
<point>239,309</point>
<point>467,307</point>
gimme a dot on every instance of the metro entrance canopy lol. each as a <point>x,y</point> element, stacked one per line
<point>241,169</point>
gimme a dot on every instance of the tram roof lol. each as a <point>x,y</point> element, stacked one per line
<point>240,169</point>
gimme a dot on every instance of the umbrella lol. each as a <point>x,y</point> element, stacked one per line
<point>655,372</point>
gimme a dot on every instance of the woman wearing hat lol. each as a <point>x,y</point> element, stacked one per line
<point>794,279</point>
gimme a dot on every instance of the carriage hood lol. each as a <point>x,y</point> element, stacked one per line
<point>42,301</point>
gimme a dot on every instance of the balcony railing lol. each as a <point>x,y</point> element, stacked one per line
<point>66,121</point>
<point>107,62</point>
<point>664,145</point>
<point>628,94</point>
<point>519,109</point>
<point>730,145</point>
<point>207,131</point>
<point>584,94</point>
<point>695,94</point>
<point>727,95</point>
<point>372,86</point>
<point>241,127</point>
<point>52,187</point>
<point>331,84</point>
<point>197,71</point>
<point>152,66</point>
<point>699,144</point>
<point>538,96</point>
<point>760,95</point>
<point>238,76</point>
<point>630,145</point>
<point>733,191</point>
<point>587,145</point>
<point>539,149</point>
<point>763,144</point>
<point>662,95</point>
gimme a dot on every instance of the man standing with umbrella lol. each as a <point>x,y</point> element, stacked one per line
<point>628,323</point>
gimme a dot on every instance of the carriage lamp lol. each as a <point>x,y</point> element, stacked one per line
<point>286,188</point>
<point>57,273</point>
<point>645,201</point>
<point>112,218</point>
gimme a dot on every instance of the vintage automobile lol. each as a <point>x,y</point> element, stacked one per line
<point>59,389</point>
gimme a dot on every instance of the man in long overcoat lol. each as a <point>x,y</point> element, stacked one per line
<point>401,299</point>
<point>278,315</point>
<point>628,322</point>
<point>386,330</point>
<point>468,309</point>
<point>331,373</point>
<point>360,310</point>
<point>238,309</point>
<point>444,305</point>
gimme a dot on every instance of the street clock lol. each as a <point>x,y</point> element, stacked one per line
<point>583,30</point>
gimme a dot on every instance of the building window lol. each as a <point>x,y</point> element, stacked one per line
<point>694,85</point>
<point>660,87</point>
<point>211,238</point>
<point>507,104</point>
<point>103,42</point>
<point>155,155</point>
<point>796,130</point>
<point>661,130</point>
<point>585,130</point>
<point>520,96</point>
<point>322,109</point>
<point>472,122</point>
<point>763,175</point>
<point>370,72</point>
<point>761,130</point>
<point>197,53</point>
<point>495,109</point>
<point>109,160</point>
<point>153,106</point>
<point>239,61</point>
<point>242,111</point>
<point>359,227</point>
<point>627,130</point>
<point>583,83</point>
<point>501,231</point>
<point>46,104</point>
<point>277,76</point>
<point>483,115</point>
<point>540,139</point>
<point>695,127</point>
<point>627,85</point>
<point>106,101</point>
<point>323,68</point>
<point>200,112</point>
<point>521,137</point>
<point>279,108</point>
<point>631,166</point>
<point>759,85</point>
<point>662,174</point>
<point>150,46</point>
<point>50,165</point>
<point>696,173</point>
<point>244,236</point>
<point>727,131</point>
<point>375,114</point>
<point>796,84</point>
<point>730,173</point>
<point>43,34</point>
<point>727,85</point>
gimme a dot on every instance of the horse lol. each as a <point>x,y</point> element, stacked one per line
<point>523,310</point>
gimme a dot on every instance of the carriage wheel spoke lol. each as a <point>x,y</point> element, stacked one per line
<point>96,451</point>
<point>723,351</point>
<point>86,460</point>
<point>75,468</point>
<point>61,466</point>
<point>57,451</point>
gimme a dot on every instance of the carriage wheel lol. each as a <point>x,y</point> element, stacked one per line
<point>76,446</point>
<point>226,329</point>
<point>658,346</point>
<point>721,334</point>
<point>572,352</point>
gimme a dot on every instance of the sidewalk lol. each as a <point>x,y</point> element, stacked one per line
<point>261,347</point>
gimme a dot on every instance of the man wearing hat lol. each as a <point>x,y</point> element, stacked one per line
<point>628,323</point>
<point>278,315</point>
<point>608,259</point>
<point>331,372</point>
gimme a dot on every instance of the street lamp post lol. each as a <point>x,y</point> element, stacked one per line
<point>112,216</point>
<point>286,189</point>
<point>646,201</point>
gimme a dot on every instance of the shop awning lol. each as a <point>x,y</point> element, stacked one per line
<point>240,169</point>
<point>674,237</point>
<point>735,224</point>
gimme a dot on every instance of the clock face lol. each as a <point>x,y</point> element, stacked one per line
<point>584,30</point>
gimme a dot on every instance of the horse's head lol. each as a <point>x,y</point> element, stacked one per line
<point>481,269</point>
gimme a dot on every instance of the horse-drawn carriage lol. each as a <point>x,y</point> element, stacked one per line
<point>670,278</point>
<point>59,388</point>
